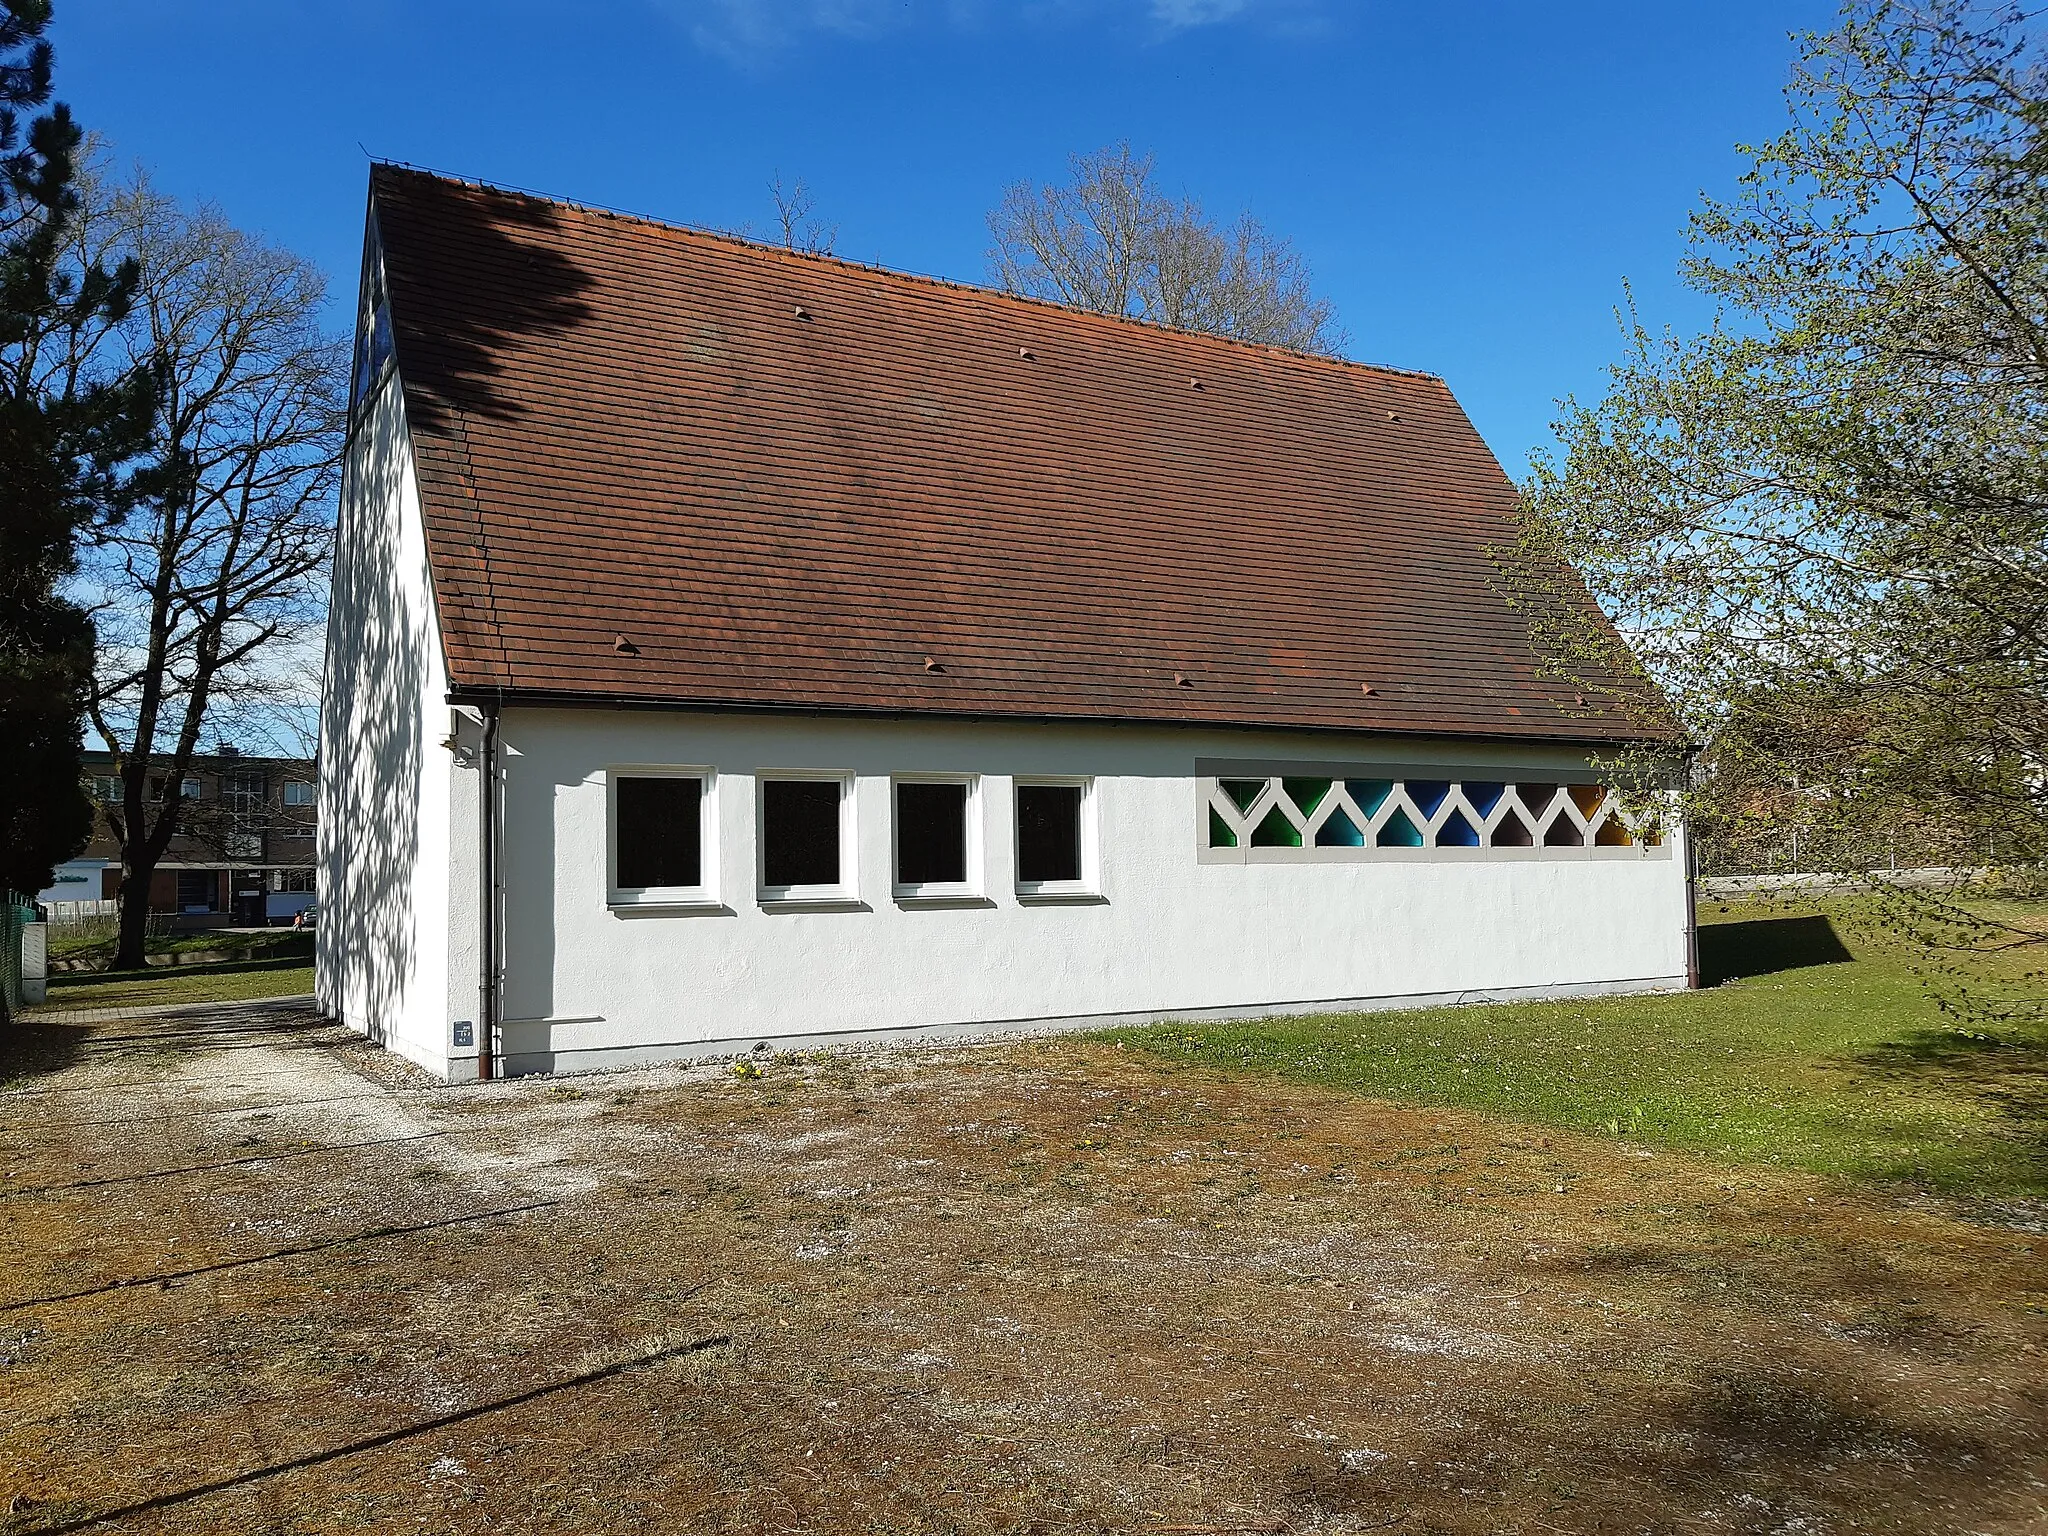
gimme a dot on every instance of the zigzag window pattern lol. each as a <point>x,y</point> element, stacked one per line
<point>1370,814</point>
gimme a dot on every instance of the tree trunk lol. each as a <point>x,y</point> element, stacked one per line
<point>134,899</point>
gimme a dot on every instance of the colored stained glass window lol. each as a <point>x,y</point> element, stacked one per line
<point>1220,835</point>
<point>1613,834</point>
<point>1563,834</point>
<point>1512,832</point>
<point>1457,832</point>
<point>1243,791</point>
<point>1399,832</point>
<point>1340,831</point>
<point>1369,794</point>
<point>1484,797</point>
<point>1276,831</point>
<point>1306,794</point>
<point>1428,794</point>
<point>1536,798</point>
<point>1587,798</point>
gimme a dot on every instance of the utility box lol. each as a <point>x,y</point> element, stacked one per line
<point>35,962</point>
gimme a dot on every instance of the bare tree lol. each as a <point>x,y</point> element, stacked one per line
<point>200,595</point>
<point>1109,241</point>
<point>794,214</point>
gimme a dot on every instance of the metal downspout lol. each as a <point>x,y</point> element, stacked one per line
<point>487,1007</point>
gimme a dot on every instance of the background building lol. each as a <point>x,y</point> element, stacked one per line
<point>243,853</point>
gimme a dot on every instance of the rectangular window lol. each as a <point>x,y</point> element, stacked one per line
<point>297,792</point>
<point>198,890</point>
<point>662,837</point>
<point>1054,856</point>
<point>244,791</point>
<point>289,831</point>
<point>806,838</point>
<point>937,852</point>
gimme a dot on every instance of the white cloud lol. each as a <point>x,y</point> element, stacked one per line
<point>743,30</point>
<point>1197,13</point>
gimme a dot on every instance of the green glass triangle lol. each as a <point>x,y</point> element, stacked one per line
<point>1306,794</point>
<point>1369,794</point>
<point>1276,831</point>
<point>1399,832</point>
<point>1243,791</point>
<point>1220,835</point>
<point>1340,831</point>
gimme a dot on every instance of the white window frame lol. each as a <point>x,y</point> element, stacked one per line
<point>1089,886</point>
<point>298,784</point>
<point>969,889</point>
<point>702,895</point>
<point>843,892</point>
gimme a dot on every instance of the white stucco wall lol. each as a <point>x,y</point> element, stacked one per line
<point>389,906</point>
<point>587,985</point>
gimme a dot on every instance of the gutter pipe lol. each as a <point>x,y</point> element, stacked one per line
<point>487,1006</point>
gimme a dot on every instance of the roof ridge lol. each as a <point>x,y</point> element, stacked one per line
<point>826,258</point>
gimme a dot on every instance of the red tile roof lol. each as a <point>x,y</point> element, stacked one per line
<point>666,466</point>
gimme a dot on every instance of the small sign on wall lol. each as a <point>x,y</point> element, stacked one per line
<point>465,1032</point>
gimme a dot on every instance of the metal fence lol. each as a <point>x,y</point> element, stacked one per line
<point>15,915</point>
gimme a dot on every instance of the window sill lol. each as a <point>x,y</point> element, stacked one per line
<point>912,897</point>
<point>668,906</point>
<point>1060,896</point>
<point>823,901</point>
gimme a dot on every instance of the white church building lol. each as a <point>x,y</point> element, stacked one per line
<point>730,646</point>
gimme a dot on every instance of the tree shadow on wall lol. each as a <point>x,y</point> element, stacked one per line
<point>370,728</point>
<point>469,286</point>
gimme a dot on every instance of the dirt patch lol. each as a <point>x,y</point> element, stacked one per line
<point>257,1281</point>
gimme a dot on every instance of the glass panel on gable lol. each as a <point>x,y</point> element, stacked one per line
<point>1242,791</point>
<point>1457,832</point>
<point>1276,831</point>
<point>1536,799</point>
<point>1484,797</point>
<point>1220,835</point>
<point>1340,831</point>
<point>1587,798</point>
<point>1564,833</point>
<point>1399,832</point>
<point>1428,794</point>
<point>1512,831</point>
<point>1369,794</point>
<point>1306,794</point>
<point>1613,834</point>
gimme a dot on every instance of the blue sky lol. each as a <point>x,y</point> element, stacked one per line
<point>1471,183</point>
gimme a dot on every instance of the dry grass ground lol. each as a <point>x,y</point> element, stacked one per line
<point>256,1279</point>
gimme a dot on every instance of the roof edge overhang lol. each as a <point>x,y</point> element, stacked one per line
<point>545,698</point>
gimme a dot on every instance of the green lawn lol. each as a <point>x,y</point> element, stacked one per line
<point>271,943</point>
<point>1807,1056</point>
<point>187,984</point>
